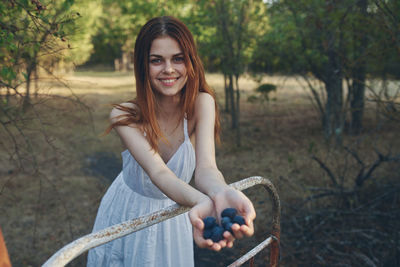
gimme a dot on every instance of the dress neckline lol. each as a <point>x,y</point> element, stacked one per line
<point>187,139</point>
<point>186,136</point>
<point>176,152</point>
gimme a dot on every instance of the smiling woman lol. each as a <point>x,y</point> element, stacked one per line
<point>168,134</point>
<point>167,68</point>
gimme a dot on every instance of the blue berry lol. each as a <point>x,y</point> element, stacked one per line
<point>209,222</point>
<point>229,212</point>
<point>225,220</point>
<point>217,232</point>
<point>228,227</point>
<point>207,233</point>
<point>239,220</point>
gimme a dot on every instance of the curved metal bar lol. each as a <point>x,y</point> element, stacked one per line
<point>83,244</point>
<point>252,252</point>
<point>276,219</point>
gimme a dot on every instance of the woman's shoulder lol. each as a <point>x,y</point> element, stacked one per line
<point>204,99</point>
<point>122,110</point>
<point>204,106</point>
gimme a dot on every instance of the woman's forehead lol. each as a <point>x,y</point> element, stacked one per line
<point>165,46</point>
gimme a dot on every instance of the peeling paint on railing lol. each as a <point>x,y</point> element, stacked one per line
<point>276,219</point>
<point>83,244</point>
<point>252,252</point>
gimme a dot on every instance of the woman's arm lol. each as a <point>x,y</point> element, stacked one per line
<point>177,190</point>
<point>152,163</point>
<point>208,178</point>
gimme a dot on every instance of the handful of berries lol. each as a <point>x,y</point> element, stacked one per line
<point>214,231</point>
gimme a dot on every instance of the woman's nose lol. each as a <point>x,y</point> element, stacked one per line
<point>168,67</point>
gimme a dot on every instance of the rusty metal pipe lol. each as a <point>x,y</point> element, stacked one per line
<point>276,218</point>
<point>83,244</point>
<point>249,255</point>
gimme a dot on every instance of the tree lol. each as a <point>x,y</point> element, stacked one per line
<point>81,30</point>
<point>329,40</point>
<point>232,28</point>
<point>120,23</point>
<point>358,71</point>
<point>35,35</point>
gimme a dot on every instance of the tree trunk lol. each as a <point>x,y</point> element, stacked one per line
<point>359,76</point>
<point>357,100</point>
<point>238,139</point>
<point>27,98</point>
<point>8,95</point>
<point>36,77</point>
<point>124,62</point>
<point>333,119</point>
<point>227,98</point>
<point>237,94</point>
<point>232,102</point>
<point>117,64</point>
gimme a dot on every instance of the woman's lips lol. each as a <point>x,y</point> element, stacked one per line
<point>168,81</point>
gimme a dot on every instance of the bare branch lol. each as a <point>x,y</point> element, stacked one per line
<point>327,170</point>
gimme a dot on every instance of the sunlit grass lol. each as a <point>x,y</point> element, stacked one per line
<point>277,140</point>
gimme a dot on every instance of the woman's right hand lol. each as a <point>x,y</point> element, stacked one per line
<point>201,210</point>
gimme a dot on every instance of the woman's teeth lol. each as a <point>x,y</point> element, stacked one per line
<point>169,80</point>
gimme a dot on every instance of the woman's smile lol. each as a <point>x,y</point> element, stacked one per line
<point>167,68</point>
<point>168,81</point>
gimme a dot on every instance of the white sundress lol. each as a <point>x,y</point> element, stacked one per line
<point>131,195</point>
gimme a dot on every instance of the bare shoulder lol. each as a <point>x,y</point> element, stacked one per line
<point>204,102</point>
<point>120,110</point>
<point>204,107</point>
<point>204,99</point>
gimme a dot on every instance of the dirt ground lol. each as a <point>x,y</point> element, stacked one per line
<point>42,211</point>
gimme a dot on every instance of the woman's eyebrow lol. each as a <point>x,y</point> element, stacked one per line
<point>176,55</point>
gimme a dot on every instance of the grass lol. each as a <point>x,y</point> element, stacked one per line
<point>44,210</point>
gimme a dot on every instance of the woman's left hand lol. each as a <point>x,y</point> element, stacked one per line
<point>232,198</point>
<point>201,210</point>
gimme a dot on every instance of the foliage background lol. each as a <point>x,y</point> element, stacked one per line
<point>309,96</point>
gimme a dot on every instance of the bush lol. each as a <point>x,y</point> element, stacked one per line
<point>262,93</point>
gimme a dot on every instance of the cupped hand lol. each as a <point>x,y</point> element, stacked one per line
<point>196,214</point>
<point>232,198</point>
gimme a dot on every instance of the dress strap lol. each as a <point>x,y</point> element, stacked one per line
<point>185,129</point>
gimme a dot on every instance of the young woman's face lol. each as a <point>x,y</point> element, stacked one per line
<point>167,67</point>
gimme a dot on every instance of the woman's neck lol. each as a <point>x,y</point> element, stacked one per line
<point>168,107</point>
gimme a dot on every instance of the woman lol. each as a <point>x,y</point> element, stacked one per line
<point>173,110</point>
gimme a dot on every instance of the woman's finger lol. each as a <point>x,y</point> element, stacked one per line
<point>236,231</point>
<point>216,247</point>
<point>228,236</point>
<point>229,244</point>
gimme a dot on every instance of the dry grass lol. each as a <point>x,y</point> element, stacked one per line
<point>43,211</point>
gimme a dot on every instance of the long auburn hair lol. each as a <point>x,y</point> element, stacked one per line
<point>145,102</point>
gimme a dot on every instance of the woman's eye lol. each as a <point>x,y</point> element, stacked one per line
<point>155,60</point>
<point>179,59</point>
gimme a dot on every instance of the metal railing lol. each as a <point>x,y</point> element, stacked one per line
<point>83,244</point>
